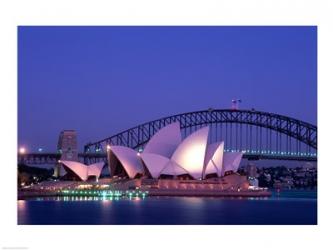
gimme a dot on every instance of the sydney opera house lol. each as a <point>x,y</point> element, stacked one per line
<point>165,156</point>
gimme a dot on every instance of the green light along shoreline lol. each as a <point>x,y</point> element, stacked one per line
<point>103,193</point>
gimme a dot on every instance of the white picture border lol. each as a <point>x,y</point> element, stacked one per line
<point>234,12</point>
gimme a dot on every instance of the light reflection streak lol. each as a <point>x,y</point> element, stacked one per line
<point>21,203</point>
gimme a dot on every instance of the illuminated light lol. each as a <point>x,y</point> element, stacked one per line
<point>190,154</point>
<point>108,147</point>
<point>22,150</point>
<point>40,150</point>
<point>138,154</point>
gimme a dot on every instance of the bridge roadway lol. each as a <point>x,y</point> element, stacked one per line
<point>88,158</point>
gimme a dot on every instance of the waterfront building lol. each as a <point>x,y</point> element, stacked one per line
<point>253,182</point>
<point>167,156</point>
<point>168,163</point>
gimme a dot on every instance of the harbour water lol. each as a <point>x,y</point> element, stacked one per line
<point>283,208</point>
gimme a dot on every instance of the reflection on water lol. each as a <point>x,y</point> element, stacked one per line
<point>84,198</point>
<point>285,195</point>
<point>299,209</point>
<point>21,204</point>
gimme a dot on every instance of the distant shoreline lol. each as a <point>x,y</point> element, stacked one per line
<point>160,192</point>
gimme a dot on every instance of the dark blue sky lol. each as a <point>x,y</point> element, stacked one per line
<point>102,80</point>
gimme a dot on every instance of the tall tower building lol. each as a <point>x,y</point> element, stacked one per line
<point>251,170</point>
<point>67,147</point>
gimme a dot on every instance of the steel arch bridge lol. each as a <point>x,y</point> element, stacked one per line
<point>258,134</point>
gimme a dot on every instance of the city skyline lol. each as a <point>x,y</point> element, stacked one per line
<point>103,80</point>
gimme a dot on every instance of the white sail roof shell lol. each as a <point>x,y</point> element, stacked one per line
<point>214,159</point>
<point>129,159</point>
<point>78,168</point>
<point>82,170</point>
<point>165,141</point>
<point>172,168</point>
<point>210,151</point>
<point>95,169</point>
<point>231,161</point>
<point>155,163</point>
<point>190,154</point>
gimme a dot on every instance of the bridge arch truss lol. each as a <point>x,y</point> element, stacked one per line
<point>250,131</point>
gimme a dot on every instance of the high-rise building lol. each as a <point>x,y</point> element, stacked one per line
<point>251,171</point>
<point>67,147</point>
